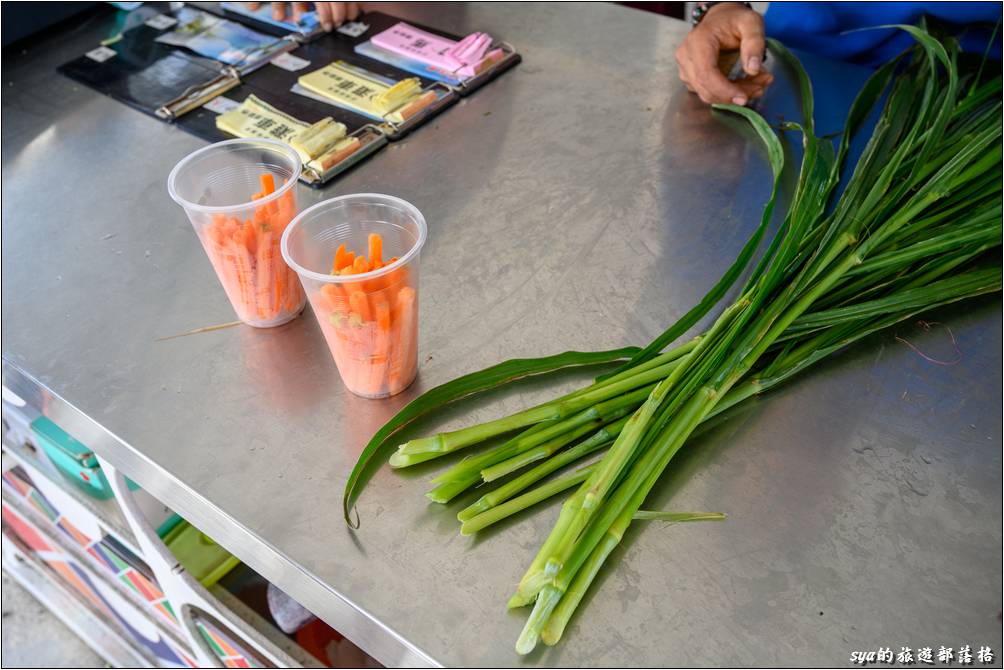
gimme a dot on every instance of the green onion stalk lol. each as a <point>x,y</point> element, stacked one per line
<point>916,225</point>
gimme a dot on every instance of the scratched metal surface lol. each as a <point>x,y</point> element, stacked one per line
<point>583,200</point>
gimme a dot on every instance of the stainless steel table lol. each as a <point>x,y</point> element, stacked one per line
<point>583,200</point>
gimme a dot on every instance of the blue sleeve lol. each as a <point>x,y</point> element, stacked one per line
<point>822,27</point>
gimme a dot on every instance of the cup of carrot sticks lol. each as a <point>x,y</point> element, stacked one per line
<point>357,257</point>
<point>240,195</point>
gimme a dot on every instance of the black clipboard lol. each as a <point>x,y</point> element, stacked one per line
<point>173,83</point>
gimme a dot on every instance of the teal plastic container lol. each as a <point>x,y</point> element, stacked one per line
<point>73,458</point>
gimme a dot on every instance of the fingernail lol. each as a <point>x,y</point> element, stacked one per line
<point>739,100</point>
<point>753,65</point>
<point>327,26</point>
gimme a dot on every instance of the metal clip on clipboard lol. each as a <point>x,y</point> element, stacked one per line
<point>371,138</point>
<point>509,59</point>
<point>446,95</point>
<point>229,78</point>
<point>196,96</point>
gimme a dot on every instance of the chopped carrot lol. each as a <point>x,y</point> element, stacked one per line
<point>249,237</point>
<point>375,248</point>
<point>263,271</point>
<point>379,368</point>
<point>347,260</point>
<point>267,183</point>
<point>323,304</point>
<point>383,315</point>
<point>360,305</point>
<point>334,296</point>
<point>402,368</point>
<point>339,258</point>
<point>245,255</point>
<point>261,218</point>
<point>373,342</point>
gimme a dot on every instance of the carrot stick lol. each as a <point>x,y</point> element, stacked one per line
<point>294,291</point>
<point>348,258</point>
<point>215,234</point>
<point>380,367</point>
<point>360,305</point>
<point>360,265</point>
<point>333,296</point>
<point>242,272</point>
<point>248,237</point>
<point>324,306</point>
<point>267,183</point>
<point>375,248</point>
<point>403,367</point>
<point>261,219</point>
<point>383,315</point>
<point>263,279</point>
<point>339,261</point>
<point>396,279</point>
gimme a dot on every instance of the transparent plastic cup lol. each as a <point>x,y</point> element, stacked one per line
<point>223,190</point>
<point>369,320</point>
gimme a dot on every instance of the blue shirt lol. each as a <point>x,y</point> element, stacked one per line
<point>820,27</point>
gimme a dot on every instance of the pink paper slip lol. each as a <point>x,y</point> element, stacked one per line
<point>439,52</point>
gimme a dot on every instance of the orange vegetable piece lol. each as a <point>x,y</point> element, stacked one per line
<point>375,248</point>
<point>339,261</point>
<point>332,292</point>
<point>249,237</point>
<point>360,305</point>
<point>267,183</point>
<point>383,315</point>
<point>347,260</point>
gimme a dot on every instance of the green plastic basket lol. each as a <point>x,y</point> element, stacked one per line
<point>205,560</point>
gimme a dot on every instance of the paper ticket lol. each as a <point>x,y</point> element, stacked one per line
<point>256,118</point>
<point>359,90</point>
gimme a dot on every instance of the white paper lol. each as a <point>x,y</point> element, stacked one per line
<point>161,22</point>
<point>221,104</point>
<point>101,54</point>
<point>290,62</point>
<point>353,28</point>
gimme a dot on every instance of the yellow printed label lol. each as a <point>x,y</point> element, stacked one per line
<point>356,89</point>
<point>256,118</point>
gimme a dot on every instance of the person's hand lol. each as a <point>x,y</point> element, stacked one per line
<point>330,14</point>
<point>725,27</point>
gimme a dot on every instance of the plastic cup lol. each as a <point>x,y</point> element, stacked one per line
<point>369,320</point>
<point>240,232</point>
